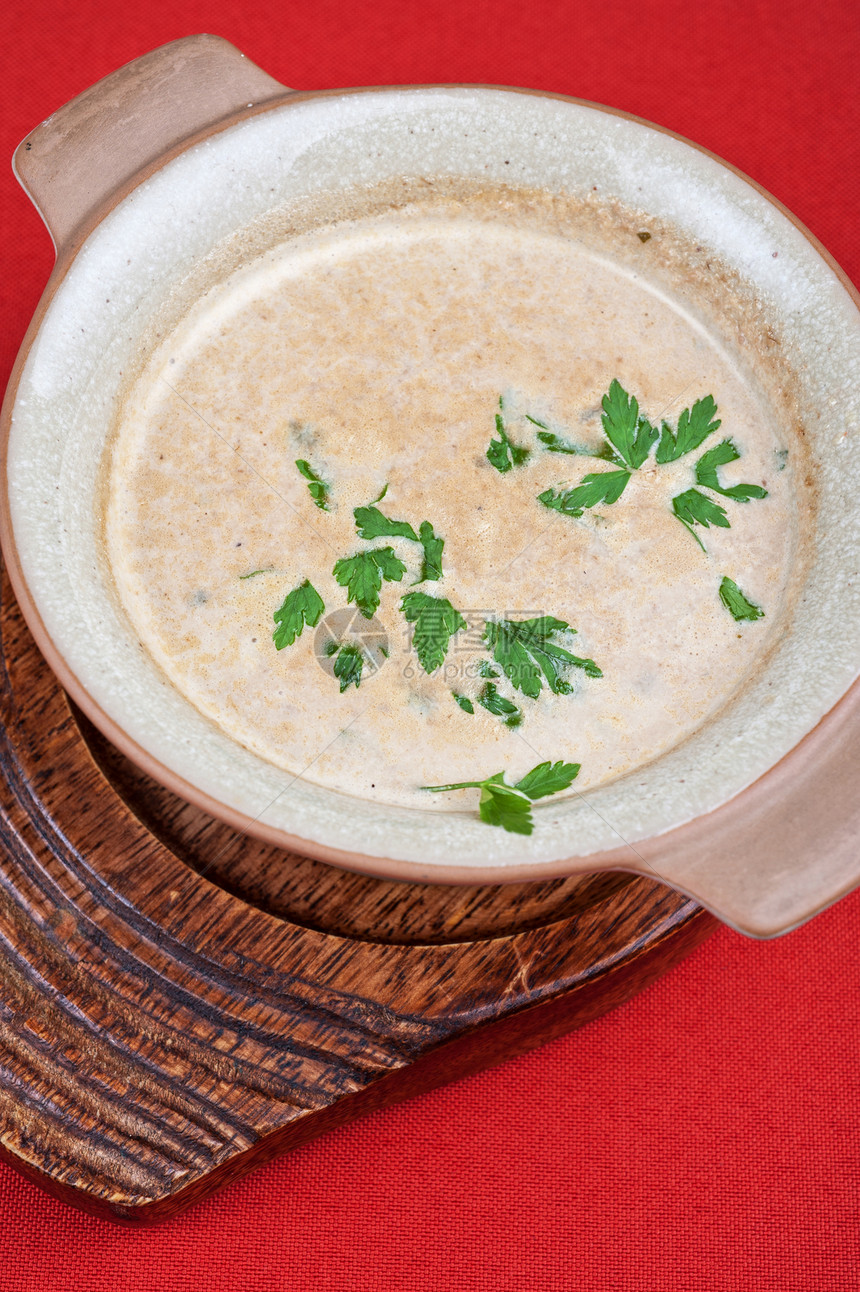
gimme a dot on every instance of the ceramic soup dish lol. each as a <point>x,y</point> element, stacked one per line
<point>168,177</point>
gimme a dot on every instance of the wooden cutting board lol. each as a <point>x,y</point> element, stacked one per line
<point>179,1003</point>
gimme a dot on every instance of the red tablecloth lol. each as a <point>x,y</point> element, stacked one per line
<point>706,1135</point>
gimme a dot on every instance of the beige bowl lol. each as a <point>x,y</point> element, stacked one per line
<point>182,157</point>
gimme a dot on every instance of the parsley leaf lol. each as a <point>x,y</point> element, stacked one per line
<point>524,651</point>
<point>431,566</point>
<point>556,444</point>
<point>630,434</point>
<point>693,508</point>
<point>719,456</point>
<point>317,488</point>
<point>509,806</point>
<point>464,702</point>
<point>303,606</point>
<point>485,669</point>
<point>362,576</point>
<point>500,805</point>
<point>738,606</point>
<point>348,666</point>
<point>435,621</point>
<point>595,488</point>
<point>370,523</point>
<point>496,704</point>
<point>694,426</point>
<point>503,453</point>
<point>548,778</point>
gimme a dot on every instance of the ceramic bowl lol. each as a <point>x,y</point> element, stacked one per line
<point>755,814</point>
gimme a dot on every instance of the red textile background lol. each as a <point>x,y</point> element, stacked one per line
<point>706,1135</point>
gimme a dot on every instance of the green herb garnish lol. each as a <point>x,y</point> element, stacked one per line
<point>270,569</point>
<point>317,488</point>
<point>509,806</point>
<point>348,666</point>
<point>464,702</point>
<point>694,426</point>
<point>629,440</point>
<point>363,573</point>
<point>431,566</point>
<point>500,707</point>
<point>503,453</point>
<point>738,606</point>
<point>693,508</point>
<point>720,456</point>
<point>371,523</point>
<point>524,651</point>
<point>556,444</point>
<point>485,669</point>
<point>597,487</point>
<point>630,434</point>
<point>436,621</point>
<point>303,606</point>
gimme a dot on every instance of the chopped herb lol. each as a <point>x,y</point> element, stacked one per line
<point>509,806</point>
<point>548,778</point>
<point>381,495</point>
<point>630,434</point>
<point>781,456</point>
<point>524,651</point>
<point>370,523</point>
<point>485,669</point>
<point>693,508</point>
<point>362,576</point>
<point>556,444</point>
<point>431,566</point>
<point>436,621</point>
<point>738,606</point>
<point>503,453</point>
<point>464,702</point>
<point>268,570</point>
<point>317,488</point>
<point>302,607</point>
<point>694,426</point>
<point>348,666</point>
<point>720,456</point>
<point>597,487</point>
<point>331,647</point>
<point>496,704</point>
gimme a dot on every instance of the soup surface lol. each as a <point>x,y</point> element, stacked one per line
<point>396,351</point>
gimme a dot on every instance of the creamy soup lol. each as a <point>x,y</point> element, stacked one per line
<point>378,352</point>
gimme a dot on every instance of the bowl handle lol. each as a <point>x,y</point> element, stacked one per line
<point>79,162</point>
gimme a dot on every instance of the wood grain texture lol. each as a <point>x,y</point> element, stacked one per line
<point>179,1003</point>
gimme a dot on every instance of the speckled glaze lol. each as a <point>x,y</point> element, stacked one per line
<point>234,193</point>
